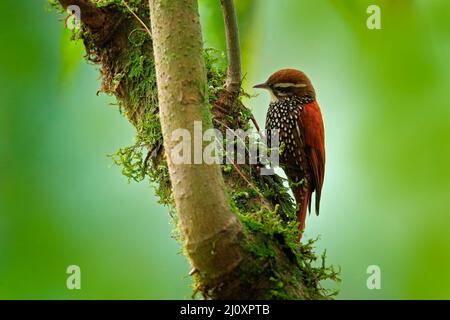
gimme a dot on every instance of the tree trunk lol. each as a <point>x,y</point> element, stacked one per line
<point>211,232</point>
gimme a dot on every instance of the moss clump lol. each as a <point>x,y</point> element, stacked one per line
<point>136,161</point>
<point>270,237</point>
<point>54,4</point>
<point>215,73</point>
<point>133,4</point>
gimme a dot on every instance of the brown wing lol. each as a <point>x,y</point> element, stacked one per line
<point>314,142</point>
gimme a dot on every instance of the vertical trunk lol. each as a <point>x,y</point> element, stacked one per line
<point>209,228</point>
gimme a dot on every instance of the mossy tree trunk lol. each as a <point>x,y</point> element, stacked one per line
<point>238,228</point>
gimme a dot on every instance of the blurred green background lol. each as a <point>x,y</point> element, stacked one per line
<point>385,100</point>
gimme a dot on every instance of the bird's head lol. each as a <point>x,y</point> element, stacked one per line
<point>288,83</point>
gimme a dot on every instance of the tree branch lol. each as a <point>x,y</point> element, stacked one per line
<point>137,18</point>
<point>234,75</point>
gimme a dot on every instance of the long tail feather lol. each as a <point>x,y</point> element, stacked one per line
<point>304,201</point>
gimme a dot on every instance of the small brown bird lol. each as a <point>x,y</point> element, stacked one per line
<point>295,113</point>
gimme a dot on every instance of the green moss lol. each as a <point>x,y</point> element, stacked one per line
<point>139,74</point>
<point>215,73</point>
<point>272,235</point>
<point>131,161</point>
<point>133,4</point>
<point>270,240</point>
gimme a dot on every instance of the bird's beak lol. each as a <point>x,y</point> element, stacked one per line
<point>262,86</point>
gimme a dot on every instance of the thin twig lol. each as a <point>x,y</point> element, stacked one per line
<point>137,18</point>
<point>235,165</point>
<point>246,180</point>
<point>255,123</point>
<point>242,174</point>
<point>234,75</point>
<point>231,130</point>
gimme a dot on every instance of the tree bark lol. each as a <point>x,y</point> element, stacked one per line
<point>211,232</point>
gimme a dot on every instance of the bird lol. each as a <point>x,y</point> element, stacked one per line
<point>295,113</point>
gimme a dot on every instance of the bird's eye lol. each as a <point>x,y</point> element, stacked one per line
<point>283,89</point>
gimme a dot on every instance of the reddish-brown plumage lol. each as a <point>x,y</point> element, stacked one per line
<point>295,112</point>
<point>315,145</point>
